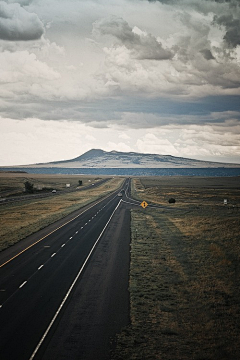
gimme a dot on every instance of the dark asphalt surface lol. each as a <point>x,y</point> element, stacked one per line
<point>34,284</point>
<point>99,306</point>
<point>21,198</point>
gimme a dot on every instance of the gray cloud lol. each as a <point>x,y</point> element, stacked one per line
<point>207,54</point>
<point>232,25</point>
<point>227,14</point>
<point>144,46</point>
<point>17,24</point>
<point>188,2</point>
<point>21,2</point>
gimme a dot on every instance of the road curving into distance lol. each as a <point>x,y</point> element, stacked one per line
<point>67,295</point>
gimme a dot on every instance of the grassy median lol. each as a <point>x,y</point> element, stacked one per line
<point>184,272</point>
<point>20,219</point>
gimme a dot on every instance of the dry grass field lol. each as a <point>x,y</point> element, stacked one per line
<point>184,272</point>
<point>22,218</point>
<point>12,184</point>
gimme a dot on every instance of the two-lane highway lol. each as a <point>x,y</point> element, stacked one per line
<point>36,286</point>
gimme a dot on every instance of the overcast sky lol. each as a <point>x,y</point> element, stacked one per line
<point>128,75</point>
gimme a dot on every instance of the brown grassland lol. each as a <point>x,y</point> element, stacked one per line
<point>184,272</point>
<point>13,183</point>
<point>22,218</point>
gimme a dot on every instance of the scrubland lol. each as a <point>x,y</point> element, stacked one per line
<point>22,218</point>
<point>184,272</point>
<point>12,184</point>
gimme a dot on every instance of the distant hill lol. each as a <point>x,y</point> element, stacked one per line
<point>97,158</point>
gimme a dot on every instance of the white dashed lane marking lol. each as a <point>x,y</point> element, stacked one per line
<point>72,286</point>
<point>48,246</point>
<point>24,283</point>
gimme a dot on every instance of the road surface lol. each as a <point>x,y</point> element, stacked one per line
<point>21,198</point>
<point>67,295</point>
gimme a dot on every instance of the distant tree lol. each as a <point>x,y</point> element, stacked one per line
<point>28,187</point>
<point>80,182</point>
<point>171,201</point>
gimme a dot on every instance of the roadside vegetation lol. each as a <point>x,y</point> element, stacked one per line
<point>14,184</point>
<point>22,218</point>
<point>184,272</point>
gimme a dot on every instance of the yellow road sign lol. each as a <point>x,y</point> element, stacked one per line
<point>144,204</point>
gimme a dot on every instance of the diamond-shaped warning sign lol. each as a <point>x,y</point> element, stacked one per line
<point>144,204</point>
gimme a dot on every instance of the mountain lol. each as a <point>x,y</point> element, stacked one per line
<point>97,158</point>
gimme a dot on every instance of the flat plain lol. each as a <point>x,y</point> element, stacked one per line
<point>184,271</point>
<point>20,219</point>
<point>184,280</point>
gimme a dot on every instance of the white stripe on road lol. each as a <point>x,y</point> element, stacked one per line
<point>22,284</point>
<point>44,237</point>
<point>40,267</point>
<point>71,287</point>
<point>53,254</point>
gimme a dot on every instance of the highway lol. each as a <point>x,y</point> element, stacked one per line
<point>66,294</point>
<point>21,198</point>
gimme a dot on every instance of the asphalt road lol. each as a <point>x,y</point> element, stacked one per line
<point>41,195</point>
<point>67,295</point>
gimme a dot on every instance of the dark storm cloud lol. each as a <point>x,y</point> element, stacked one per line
<point>17,24</point>
<point>232,26</point>
<point>150,113</point>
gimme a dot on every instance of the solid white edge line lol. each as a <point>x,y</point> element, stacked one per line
<point>71,287</point>
<point>127,202</point>
<point>44,237</point>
